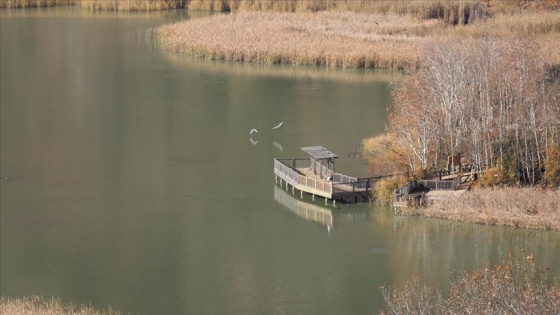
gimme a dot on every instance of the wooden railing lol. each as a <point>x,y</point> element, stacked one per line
<point>405,190</point>
<point>317,184</point>
<point>441,184</point>
<point>295,178</point>
<point>289,174</point>
<point>429,184</point>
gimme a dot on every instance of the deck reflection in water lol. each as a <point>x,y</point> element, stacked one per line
<point>329,217</point>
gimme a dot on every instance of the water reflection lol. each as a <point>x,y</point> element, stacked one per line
<point>328,217</point>
<point>434,249</point>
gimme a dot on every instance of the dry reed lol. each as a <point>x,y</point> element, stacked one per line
<point>516,286</point>
<point>342,39</point>
<point>516,207</point>
<point>40,305</point>
<point>329,39</point>
<point>34,3</point>
<point>451,12</point>
<point>132,5</point>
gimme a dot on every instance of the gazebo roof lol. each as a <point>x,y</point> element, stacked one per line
<point>319,153</point>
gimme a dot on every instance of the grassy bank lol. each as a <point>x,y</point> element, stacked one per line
<point>515,207</point>
<point>40,305</point>
<point>343,39</point>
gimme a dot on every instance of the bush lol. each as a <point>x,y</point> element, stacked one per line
<point>384,191</point>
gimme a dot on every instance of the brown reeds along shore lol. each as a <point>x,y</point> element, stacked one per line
<point>516,207</point>
<point>327,39</point>
<point>516,286</point>
<point>34,3</point>
<point>41,305</point>
<point>342,39</point>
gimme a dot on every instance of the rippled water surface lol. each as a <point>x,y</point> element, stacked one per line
<point>130,180</point>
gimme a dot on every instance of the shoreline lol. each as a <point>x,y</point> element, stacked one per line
<point>343,39</point>
<point>529,208</point>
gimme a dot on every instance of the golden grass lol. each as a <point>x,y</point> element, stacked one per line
<point>39,305</point>
<point>342,39</point>
<point>450,11</point>
<point>34,3</point>
<point>384,190</point>
<point>516,286</point>
<point>132,5</point>
<point>328,39</point>
<point>516,207</point>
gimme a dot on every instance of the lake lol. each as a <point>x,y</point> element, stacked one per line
<point>130,179</point>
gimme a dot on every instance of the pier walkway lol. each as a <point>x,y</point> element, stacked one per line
<point>316,175</point>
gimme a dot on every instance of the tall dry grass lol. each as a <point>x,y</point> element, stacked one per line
<point>34,3</point>
<point>328,39</point>
<point>383,192</point>
<point>516,286</point>
<point>342,39</point>
<point>451,12</point>
<point>516,207</point>
<point>132,5</point>
<point>40,305</point>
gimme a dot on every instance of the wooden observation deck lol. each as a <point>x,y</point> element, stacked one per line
<point>316,175</point>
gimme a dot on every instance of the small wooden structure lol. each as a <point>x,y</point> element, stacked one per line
<point>420,191</point>
<point>316,175</point>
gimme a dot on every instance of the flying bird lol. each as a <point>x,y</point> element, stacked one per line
<point>253,142</point>
<point>253,130</point>
<point>278,126</point>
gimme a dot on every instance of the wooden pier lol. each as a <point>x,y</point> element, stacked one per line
<point>316,175</point>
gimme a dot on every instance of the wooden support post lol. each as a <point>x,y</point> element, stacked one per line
<point>313,197</point>
<point>326,201</point>
<point>314,166</point>
<point>301,194</point>
<point>334,203</point>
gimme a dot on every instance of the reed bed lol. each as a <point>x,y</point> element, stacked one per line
<point>132,5</point>
<point>342,39</point>
<point>328,39</point>
<point>39,305</point>
<point>34,3</point>
<point>519,285</point>
<point>452,12</point>
<point>516,207</point>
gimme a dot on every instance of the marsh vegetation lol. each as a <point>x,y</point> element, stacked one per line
<point>41,305</point>
<point>516,286</point>
<point>348,39</point>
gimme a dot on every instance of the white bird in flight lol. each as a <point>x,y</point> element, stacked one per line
<point>278,126</point>
<point>253,130</point>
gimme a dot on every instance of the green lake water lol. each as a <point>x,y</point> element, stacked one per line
<point>130,180</point>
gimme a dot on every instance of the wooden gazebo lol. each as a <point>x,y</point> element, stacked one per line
<point>318,155</point>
